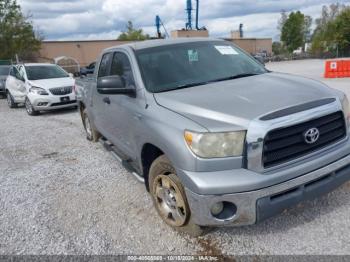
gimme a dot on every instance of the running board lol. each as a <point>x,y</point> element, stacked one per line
<point>125,162</point>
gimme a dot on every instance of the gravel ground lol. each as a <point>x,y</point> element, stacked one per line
<point>60,194</point>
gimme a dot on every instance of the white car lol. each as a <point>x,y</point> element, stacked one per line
<point>40,87</point>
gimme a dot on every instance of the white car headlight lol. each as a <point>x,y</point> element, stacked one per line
<point>38,91</point>
<point>215,145</point>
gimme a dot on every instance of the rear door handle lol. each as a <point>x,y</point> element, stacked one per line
<point>106,100</point>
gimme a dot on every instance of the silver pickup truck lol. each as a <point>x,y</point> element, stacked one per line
<point>217,139</point>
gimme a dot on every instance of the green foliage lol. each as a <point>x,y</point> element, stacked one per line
<point>332,34</point>
<point>282,20</point>
<point>278,48</point>
<point>295,30</point>
<point>16,32</point>
<point>342,29</point>
<point>132,34</point>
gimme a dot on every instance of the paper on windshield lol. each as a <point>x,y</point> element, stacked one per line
<point>192,55</point>
<point>226,50</point>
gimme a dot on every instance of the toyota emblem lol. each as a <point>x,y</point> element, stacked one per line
<point>311,135</point>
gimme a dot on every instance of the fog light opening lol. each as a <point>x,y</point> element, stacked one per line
<point>223,210</point>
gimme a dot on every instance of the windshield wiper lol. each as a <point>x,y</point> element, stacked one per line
<point>211,81</point>
<point>190,85</point>
<point>233,77</point>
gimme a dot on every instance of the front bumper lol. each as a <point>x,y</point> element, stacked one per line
<point>51,102</point>
<point>257,205</point>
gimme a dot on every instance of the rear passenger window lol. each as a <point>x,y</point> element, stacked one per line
<point>105,65</point>
<point>121,66</point>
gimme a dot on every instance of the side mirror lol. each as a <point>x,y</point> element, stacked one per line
<point>71,75</point>
<point>114,85</point>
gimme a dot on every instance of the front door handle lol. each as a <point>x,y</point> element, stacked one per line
<point>106,100</point>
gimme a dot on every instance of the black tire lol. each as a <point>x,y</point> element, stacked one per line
<point>91,133</point>
<point>160,169</point>
<point>10,101</point>
<point>29,108</point>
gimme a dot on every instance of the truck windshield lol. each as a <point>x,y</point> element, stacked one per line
<point>176,66</point>
<point>45,72</point>
<point>4,70</point>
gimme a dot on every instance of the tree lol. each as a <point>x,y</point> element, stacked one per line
<point>296,30</point>
<point>307,28</point>
<point>341,29</point>
<point>132,34</point>
<point>17,35</point>
<point>282,21</point>
<point>278,48</point>
<point>332,33</point>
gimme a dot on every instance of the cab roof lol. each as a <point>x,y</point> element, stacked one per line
<point>163,42</point>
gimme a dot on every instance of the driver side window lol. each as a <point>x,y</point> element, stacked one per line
<point>121,67</point>
<point>21,73</point>
<point>104,68</point>
<point>15,73</point>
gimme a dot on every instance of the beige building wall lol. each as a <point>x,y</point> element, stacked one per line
<point>254,45</point>
<point>83,51</point>
<point>189,33</point>
<point>86,52</point>
<point>235,34</point>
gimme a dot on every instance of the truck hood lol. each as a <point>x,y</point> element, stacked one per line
<point>231,105</point>
<point>52,83</point>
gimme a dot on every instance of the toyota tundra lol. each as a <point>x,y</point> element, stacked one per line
<point>217,139</point>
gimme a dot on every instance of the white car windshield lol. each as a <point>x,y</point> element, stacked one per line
<point>45,72</point>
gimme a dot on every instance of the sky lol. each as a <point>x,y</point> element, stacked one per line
<point>106,19</point>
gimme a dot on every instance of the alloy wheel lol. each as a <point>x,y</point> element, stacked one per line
<point>87,126</point>
<point>170,201</point>
<point>29,107</point>
<point>9,100</point>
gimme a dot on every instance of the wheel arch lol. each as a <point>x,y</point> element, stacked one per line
<point>149,153</point>
<point>82,107</point>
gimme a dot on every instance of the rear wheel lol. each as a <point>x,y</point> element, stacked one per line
<point>91,133</point>
<point>169,197</point>
<point>10,101</point>
<point>29,108</point>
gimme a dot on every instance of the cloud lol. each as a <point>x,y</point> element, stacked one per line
<point>103,19</point>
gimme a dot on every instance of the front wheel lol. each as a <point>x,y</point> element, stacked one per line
<point>29,108</point>
<point>91,133</point>
<point>10,101</point>
<point>169,197</point>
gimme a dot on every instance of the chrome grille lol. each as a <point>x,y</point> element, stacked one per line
<point>285,144</point>
<point>61,91</point>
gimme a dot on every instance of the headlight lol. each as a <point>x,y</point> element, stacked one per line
<point>346,109</point>
<point>38,91</point>
<point>215,145</point>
